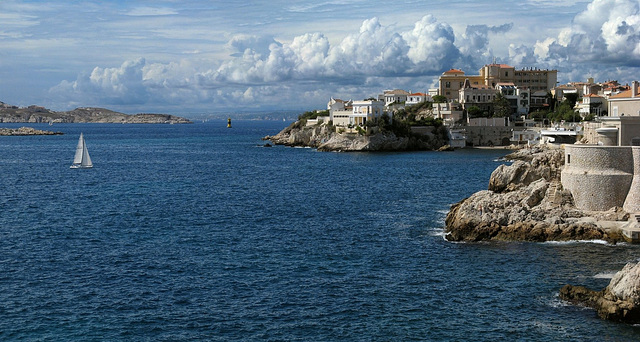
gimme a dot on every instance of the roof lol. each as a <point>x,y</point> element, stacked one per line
<point>592,95</point>
<point>396,92</point>
<point>501,65</point>
<point>624,95</point>
<point>453,71</point>
<point>418,94</point>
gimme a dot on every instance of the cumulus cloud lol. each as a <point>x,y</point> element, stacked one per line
<point>121,85</point>
<point>608,32</point>
<point>260,67</point>
<point>263,71</point>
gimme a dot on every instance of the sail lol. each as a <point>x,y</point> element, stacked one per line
<point>86,160</point>
<point>77,159</point>
<point>81,158</point>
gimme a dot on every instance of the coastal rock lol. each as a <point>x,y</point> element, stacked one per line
<point>525,201</point>
<point>324,138</point>
<point>25,131</point>
<point>619,301</point>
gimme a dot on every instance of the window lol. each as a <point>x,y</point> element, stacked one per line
<point>568,158</point>
<point>447,84</point>
<point>506,74</point>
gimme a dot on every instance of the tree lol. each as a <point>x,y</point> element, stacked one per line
<point>501,106</point>
<point>439,99</point>
<point>474,112</point>
<point>571,98</point>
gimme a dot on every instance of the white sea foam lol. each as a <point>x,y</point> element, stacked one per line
<point>605,275</point>
<point>437,232</point>
<point>571,242</point>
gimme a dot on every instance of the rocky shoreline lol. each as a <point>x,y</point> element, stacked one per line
<point>619,301</point>
<point>525,201</point>
<point>324,138</point>
<point>25,131</point>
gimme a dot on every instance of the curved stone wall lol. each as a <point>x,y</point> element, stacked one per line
<point>632,203</point>
<point>599,177</point>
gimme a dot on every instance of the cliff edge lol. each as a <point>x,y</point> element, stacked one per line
<point>525,201</point>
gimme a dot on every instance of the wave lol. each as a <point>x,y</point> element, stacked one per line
<point>605,275</point>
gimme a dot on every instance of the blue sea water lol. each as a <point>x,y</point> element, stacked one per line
<point>197,232</point>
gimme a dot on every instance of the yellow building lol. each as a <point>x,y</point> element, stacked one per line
<point>490,75</point>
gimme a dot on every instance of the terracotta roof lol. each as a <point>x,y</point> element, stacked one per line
<point>624,94</point>
<point>501,65</point>
<point>592,95</point>
<point>418,94</point>
<point>454,71</point>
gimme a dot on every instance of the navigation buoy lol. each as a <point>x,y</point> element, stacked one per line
<point>229,123</point>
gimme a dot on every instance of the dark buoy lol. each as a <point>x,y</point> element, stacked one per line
<point>229,123</point>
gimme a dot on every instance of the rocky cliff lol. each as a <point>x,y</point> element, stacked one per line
<point>526,202</point>
<point>37,114</point>
<point>619,301</point>
<point>324,138</point>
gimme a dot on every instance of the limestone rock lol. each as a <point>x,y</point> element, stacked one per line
<point>619,301</point>
<point>525,202</point>
<point>324,138</point>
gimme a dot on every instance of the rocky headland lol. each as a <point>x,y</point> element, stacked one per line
<point>325,138</point>
<point>619,301</point>
<point>25,131</point>
<point>37,114</point>
<point>525,201</point>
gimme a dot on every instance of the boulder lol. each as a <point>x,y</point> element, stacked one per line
<point>619,301</point>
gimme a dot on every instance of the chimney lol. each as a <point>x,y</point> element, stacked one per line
<point>634,88</point>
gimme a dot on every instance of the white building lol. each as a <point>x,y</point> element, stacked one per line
<point>360,113</point>
<point>417,98</point>
<point>591,104</point>
<point>395,96</point>
<point>450,113</point>
<point>519,98</point>
<point>339,109</point>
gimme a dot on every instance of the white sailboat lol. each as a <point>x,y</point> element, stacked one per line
<point>81,160</point>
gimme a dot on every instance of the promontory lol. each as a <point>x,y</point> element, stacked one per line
<point>37,114</point>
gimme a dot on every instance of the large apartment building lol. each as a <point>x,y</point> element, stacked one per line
<point>534,79</point>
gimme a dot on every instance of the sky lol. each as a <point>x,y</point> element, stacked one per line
<point>196,57</point>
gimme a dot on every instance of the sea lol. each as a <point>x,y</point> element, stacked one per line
<point>200,232</point>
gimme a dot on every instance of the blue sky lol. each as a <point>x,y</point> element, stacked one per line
<point>192,57</point>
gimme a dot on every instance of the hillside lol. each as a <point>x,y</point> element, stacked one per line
<point>37,114</point>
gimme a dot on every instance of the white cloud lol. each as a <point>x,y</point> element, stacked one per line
<point>607,32</point>
<point>305,69</point>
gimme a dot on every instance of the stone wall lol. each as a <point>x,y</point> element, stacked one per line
<point>488,136</point>
<point>598,177</point>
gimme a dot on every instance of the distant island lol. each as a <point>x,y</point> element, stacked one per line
<point>38,114</point>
